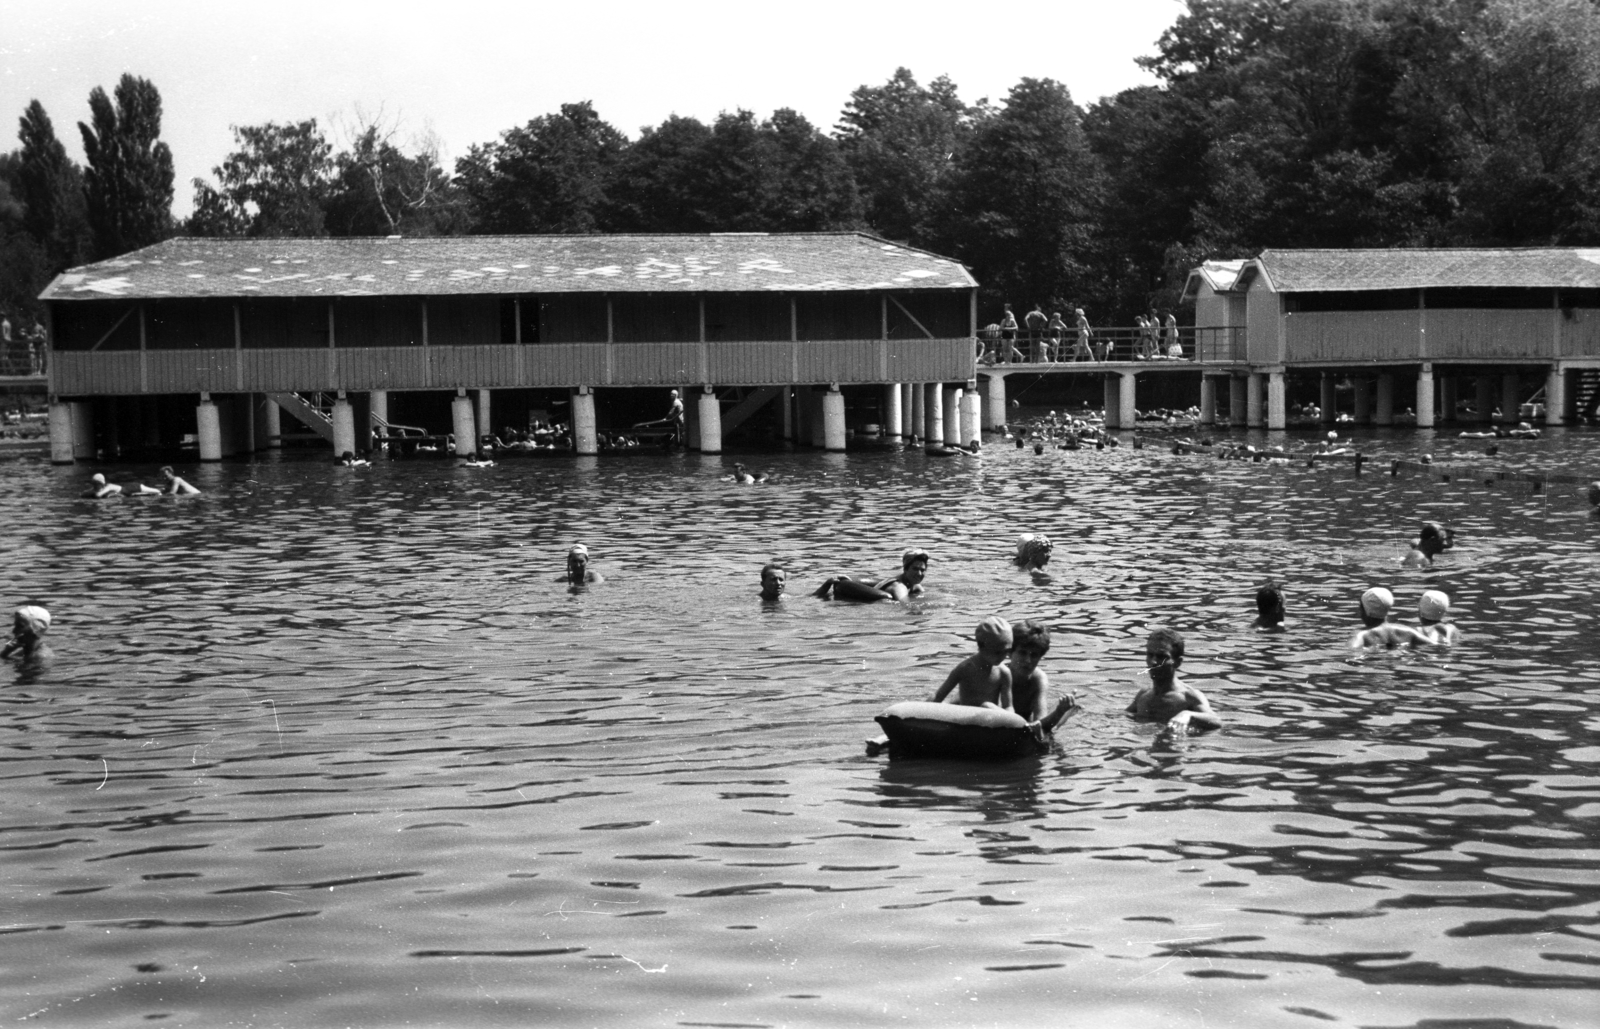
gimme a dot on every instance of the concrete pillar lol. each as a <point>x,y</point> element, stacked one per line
<point>950,420</point>
<point>833,419</point>
<point>463,426</point>
<point>891,411</point>
<point>361,408</point>
<point>585,439</point>
<point>1253,403</point>
<point>710,422</point>
<point>1238,402</point>
<point>919,410</point>
<point>1127,400</point>
<point>1328,401</point>
<point>994,402</point>
<point>971,416</point>
<point>1385,412</point>
<point>1510,398</point>
<point>817,418</point>
<point>1448,397</point>
<point>1208,400</point>
<point>344,427</point>
<point>485,419</point>
<point>933,413</point>
<point>786,398</point>
<point>1425,397</point>
<point>1111,400</point>
<point>691,419</point>
<point>908,420</point>
<point>1277,405</point>
<point>208,427</point>
<point>61,449</point>
<point>1559,399</point>
<point>1485,386</point>
<point>271,425</point>
<point>1363,391</point>
<point>378,407</point>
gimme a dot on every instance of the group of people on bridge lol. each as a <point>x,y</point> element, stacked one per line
<point>1049,339</point>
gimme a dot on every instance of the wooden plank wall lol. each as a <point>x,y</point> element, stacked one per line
<point>1353,335</point>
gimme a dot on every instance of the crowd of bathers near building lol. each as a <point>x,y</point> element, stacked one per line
<point>1043,339</point>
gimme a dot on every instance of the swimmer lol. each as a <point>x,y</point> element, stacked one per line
<point>1033,551</point>
<point>745,478</point>
<point>1168,699</point>
<point>175,484</point>
<point>578,571</point>
<point>1434,539</point>
<point>478,460</point>
<point>1269,607</point>
<point>982,680</point>
<point>774,578</point>
<point>914,568</point>
<point>350,460</point>
<point>1594,494</point>
<point>29,623</point>
<point>1030,687</point>
<point>1431,611</point>
<point>100,489</point>
<point>1376,605</point>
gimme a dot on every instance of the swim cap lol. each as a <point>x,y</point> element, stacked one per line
<point>913,554</point>
<point>36,618</point>
<point>1332,434</point>
<point>993,631</point>
<point>1376,602</point>
<point>1434,605</point>
<point>98,480</point>
<point>578,548</point>
<point>1032,546</point>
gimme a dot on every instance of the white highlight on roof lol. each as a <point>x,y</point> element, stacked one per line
<point>252,269</point>
<point>607,270</point>
<point>114,286</point>
<point>1592,256</point>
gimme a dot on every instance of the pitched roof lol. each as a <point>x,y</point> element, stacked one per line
<point>1294,271</point>
<point>374,266</point>
<point>1221,276</point>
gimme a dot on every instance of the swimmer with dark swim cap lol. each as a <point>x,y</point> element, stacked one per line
<point>29,623</point>
<point>914,568</point>
<point>1434,539</point>
<point>1033,551</point>
<point>578,571</point>
<point>1269,606</point>
<point>1376,605</point>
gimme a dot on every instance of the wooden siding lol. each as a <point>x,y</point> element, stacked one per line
<point>1353,336</point>
<point>1210,310</point>
<point>1261,319</point>
<point>1490,333</point>
<point>554,365</point>
<point>1580,332</point>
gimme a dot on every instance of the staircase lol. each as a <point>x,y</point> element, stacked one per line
<point>312,413</point>
<point>746,406</point>
<point>1586,386</point>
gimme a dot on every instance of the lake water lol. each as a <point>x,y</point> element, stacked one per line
<point>333,747</point>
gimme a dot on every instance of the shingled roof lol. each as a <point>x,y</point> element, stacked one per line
<point>1298,271</point>
<point>736,262</point>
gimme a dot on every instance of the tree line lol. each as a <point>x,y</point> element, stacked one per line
<point>1273,123</point>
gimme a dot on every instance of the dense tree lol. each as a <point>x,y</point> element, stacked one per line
<point>550,175</point>
<point>274,184</point>
<point>378,190</point>
<point>660,184</point>
<point>128,183</point>
<point>899,139</point>
<point>24,267</point>
<point>49,187</point>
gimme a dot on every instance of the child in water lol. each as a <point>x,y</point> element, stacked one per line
<point>1167,699</point>
<point>1431,612</point>
<point>1030,687</point>
<point>982,679</point>
<point>1434,539</point>
<point>28,625</point>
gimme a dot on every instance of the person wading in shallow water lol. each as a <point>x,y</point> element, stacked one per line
<point>578,571</point>
<point>914,568</point>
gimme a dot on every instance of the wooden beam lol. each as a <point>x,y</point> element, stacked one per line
<point>913,318</point>
<point>118,324</point>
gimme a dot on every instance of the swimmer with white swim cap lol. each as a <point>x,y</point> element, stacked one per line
<point>578,571</point>
<point>100,489</point>
<point>913,569</point>
<point>1435,604</point>
<point>1376,605</point>
<point>1434,539</point>
<point>29,623</point>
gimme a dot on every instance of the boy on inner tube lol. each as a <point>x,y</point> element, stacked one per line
<point>914,567</point>
<point>982,680</point>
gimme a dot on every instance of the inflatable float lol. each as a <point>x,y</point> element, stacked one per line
<point>919,728</point>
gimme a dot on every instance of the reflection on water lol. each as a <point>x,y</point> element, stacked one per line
<point>335,746</point>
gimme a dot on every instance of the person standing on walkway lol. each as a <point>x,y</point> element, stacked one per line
<point>1008,336</point>
<point>1035,320</point>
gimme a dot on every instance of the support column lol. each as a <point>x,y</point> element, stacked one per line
<point>1385,412</point>
<point>691,420</point>
<point>1510,398</point>
<point>1363,401</point>
<point>919,410</point>
<point>1449,396</point>
<point>994,402</point>
<point>1110,401</point>
<point>817,418</point>
<point>786,398</point>
<point>951,420</point>
<point>1569,397</point>
<point>971,415</point>
<point>1328,402</point>
<point>485,422</point>
<point>833,420</point>
<point>377,415</point>
<point>710,422</point>
<point>270,425</point>
<point>1127,400</point>
<point>1485,387</point>
<point>462,424</point>
<point>802,415</point>
<point>61,449</point>
<point>1277,406</point>
<point>1253,412</point>
<point>933,413</point>
<point>1208,400</point>
<point>908,418</point>
<point>585,440</point>
<point>1425,397</point>
<point>891,411</point>
<point>208,426</point>
<point>1238,404</point>
<point>344,426</point>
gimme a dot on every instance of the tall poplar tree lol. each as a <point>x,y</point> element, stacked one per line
<point>50,188</point>
<point>128,184</point>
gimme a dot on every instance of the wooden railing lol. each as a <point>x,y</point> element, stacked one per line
<point>1120,343</point>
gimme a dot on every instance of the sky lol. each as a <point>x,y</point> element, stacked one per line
<point>463,72</point>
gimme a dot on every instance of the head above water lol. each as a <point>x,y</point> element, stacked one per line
<point>1435,538</point>
<point>577,558</point>
<point>98,480</point>
<point>1033,550</point>
<point>1031,636</point>
<point>1376,603</point>
<point>1269,603</point>
<point>30,620</point>
<point>993,635</point>
<point>1435,604</point>
<point>774,579</point>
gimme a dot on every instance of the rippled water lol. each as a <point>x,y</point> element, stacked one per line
<point>333,747</point>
